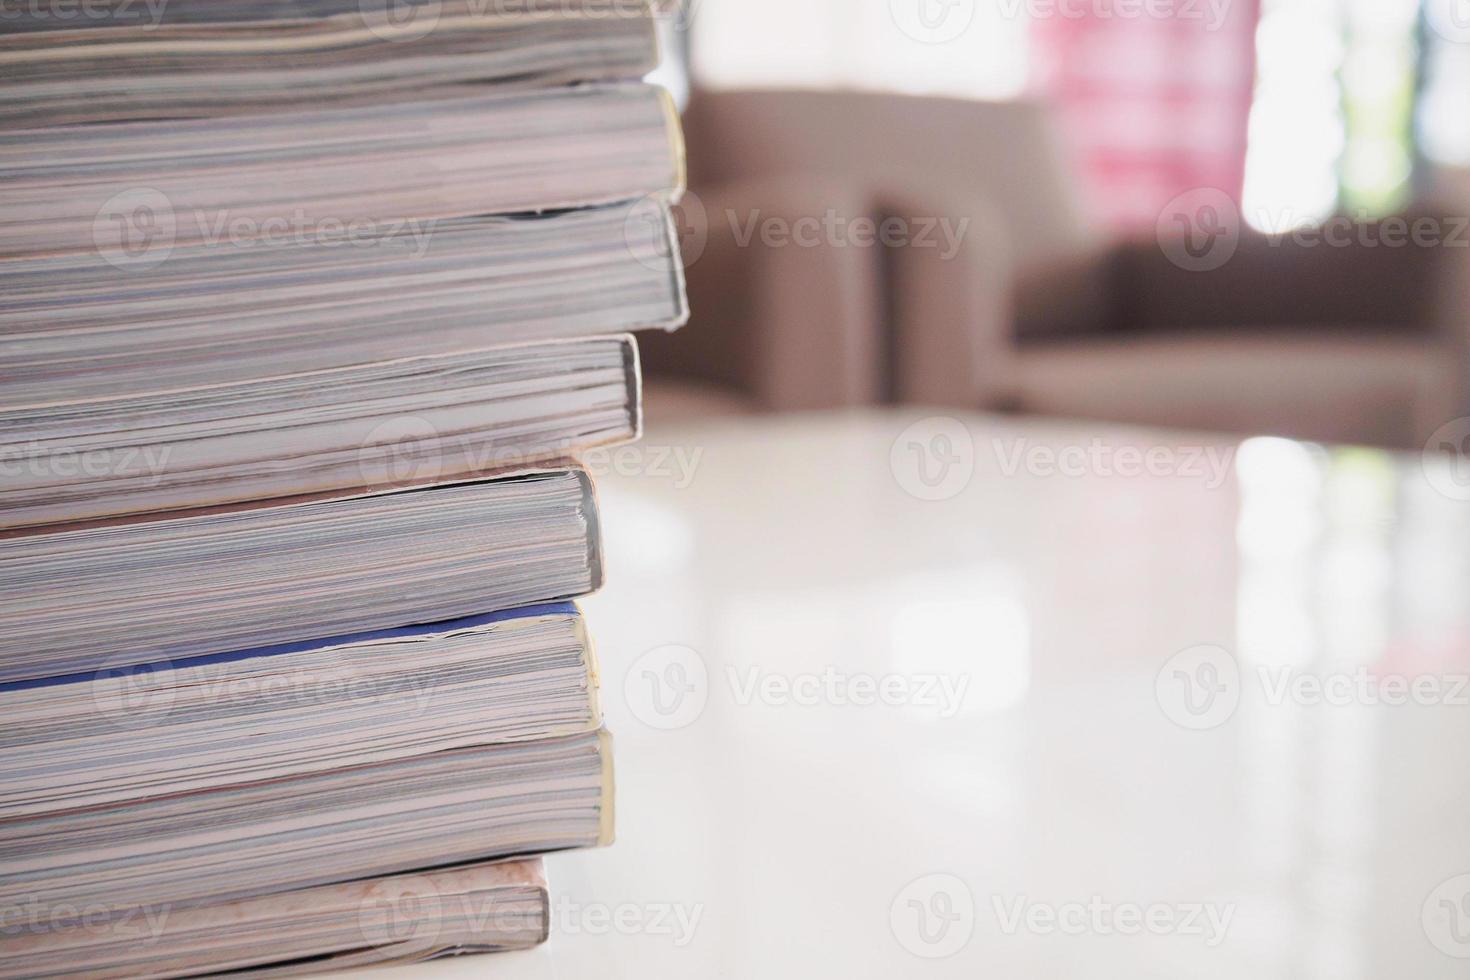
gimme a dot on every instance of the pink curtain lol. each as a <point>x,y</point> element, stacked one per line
<point>1151,106</point>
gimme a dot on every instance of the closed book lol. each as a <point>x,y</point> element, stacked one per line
<point>178,726</point>
<point>104,864</point>
<point>133,191</point>
<point>400,918</point>
<point>127,591</point>
<point>162,59</point>
<point>386,423</point>
<point>78,326</point>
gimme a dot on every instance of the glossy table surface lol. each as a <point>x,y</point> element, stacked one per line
<point>909,696</point>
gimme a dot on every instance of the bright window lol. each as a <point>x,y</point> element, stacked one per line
<point>1332,124</point>
<point>861,44</point>
<point>1444,121</point>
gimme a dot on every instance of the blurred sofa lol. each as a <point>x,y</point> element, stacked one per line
<point>786,328</point>
<point>1355,343</point>
<point>1034,312</point>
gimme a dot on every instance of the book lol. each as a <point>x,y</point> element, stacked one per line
<point>199,58</point>
<point>126,591</point>
<point>176,727</point>
<point>382,423</point>
<point>105,863</point>
<point>77,326</point>
<point>401,918</point>
<point>132,190</point>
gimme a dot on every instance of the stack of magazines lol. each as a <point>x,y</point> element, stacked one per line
<point>307,308</point>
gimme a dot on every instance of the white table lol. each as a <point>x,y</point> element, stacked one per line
<point>1125,789</point>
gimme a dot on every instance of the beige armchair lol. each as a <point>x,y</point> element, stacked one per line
<point>781,328</point>
<point>805,328</point>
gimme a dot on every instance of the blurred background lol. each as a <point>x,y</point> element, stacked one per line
<point>1245,216</point>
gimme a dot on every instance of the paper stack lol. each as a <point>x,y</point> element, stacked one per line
<point>306,309</point>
